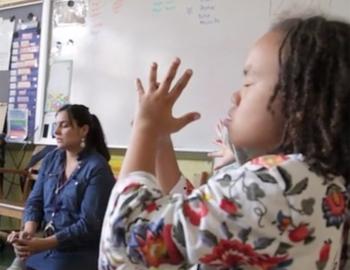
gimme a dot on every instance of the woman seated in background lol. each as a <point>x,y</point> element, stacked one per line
<point>69,197</point>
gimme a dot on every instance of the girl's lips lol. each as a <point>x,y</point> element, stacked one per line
<point>229,116</point>
<point>231,112</point>
<point>227,119</point>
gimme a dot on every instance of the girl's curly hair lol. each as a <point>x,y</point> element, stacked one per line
<point>314,86</point>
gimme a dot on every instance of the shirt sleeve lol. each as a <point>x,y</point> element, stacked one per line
<point>183,186</point>
<point>246,217</point>
<point>33,210</point>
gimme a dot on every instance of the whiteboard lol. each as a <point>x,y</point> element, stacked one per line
<point>117,40</point>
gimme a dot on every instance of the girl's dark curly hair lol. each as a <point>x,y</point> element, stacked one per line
<point>314,86</point>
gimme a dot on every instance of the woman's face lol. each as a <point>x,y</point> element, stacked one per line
<point>68,134</point>
<point>250,124</point>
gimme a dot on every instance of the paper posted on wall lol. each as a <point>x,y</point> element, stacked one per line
<point>17,124</point>
<point>3,111</point>
<point>6,34</point>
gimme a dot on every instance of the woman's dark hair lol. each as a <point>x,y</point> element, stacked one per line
<point>314,86</point>
<point>95,138</point>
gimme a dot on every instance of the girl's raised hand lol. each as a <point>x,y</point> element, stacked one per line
<point>224,154</point>
<point>154,112</point>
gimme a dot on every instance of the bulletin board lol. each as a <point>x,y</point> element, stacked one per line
<point>19,12</point>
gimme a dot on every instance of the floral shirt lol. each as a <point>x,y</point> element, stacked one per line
<point>271,213</point>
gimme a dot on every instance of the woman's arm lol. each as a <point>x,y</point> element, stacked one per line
<point>33,211</point>
<point>30,227</point>
<point>32,216</point>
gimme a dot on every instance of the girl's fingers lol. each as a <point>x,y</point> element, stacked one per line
<point>139,87</point>
<point>184,120</point>
<point>153,84</point>
<point>218,133</point>
<point>215,154</point>
<point>180,85</point>
<point>219,130</point>
<point>221,127</point>
<point>165,86</point>
<point>219,143</point>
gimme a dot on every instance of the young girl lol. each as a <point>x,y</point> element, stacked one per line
<point>285,209</point>
<point>70,197</point>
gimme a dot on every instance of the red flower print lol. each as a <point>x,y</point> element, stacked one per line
<point>153,244</point>
<point>234,253</point>
<point>325,250</point>
<point>229,206</point>
<point>300,233</point>
<point>175,257</point>
<point>269,161</point>
<point>150,207</point>
<point>324,254</point>
<point>194,210</point>
<point>153,249</point>
<point>334,206</point>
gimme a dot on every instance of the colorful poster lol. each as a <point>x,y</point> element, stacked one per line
<point>24,71</point>
<point>58,85</point>
<point>17,124</point>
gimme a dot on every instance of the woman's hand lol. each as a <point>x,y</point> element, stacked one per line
<point>14,237</point>
<point>26,247</point>
<point>18,235</point>
<point>154,114</point>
